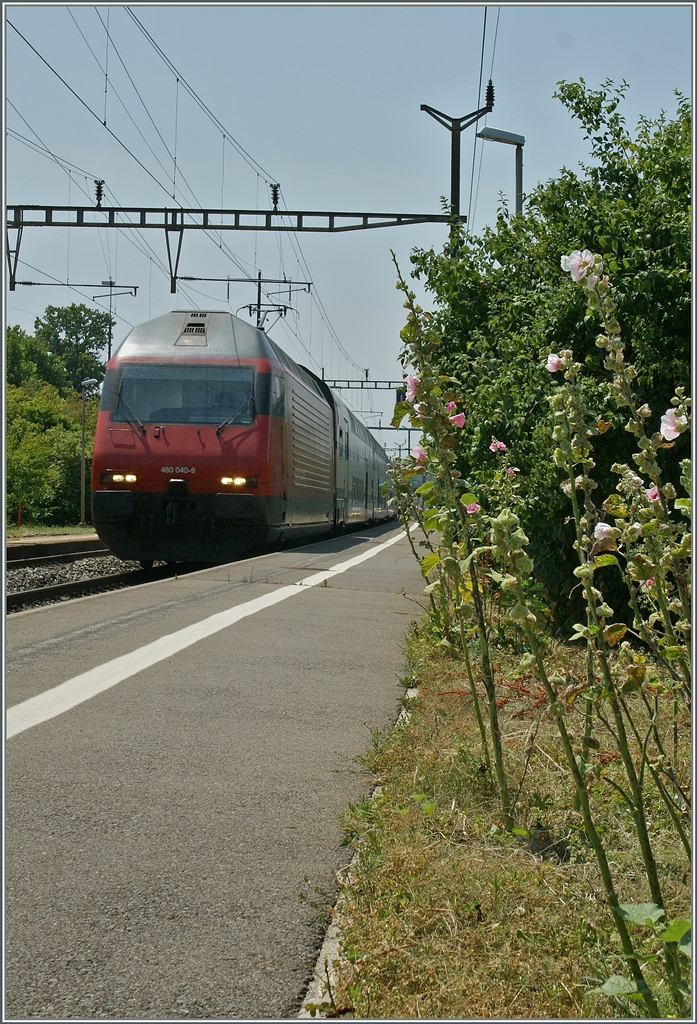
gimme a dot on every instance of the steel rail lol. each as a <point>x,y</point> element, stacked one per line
<point>77,588</point>
<point>70,556</point>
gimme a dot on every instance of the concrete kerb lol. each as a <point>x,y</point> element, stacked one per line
<point>321,988</point>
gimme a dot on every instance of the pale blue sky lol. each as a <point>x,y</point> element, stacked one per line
<point>326,98</point>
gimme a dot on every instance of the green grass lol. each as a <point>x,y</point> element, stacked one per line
<point>19,533</point>
<point>449,916</point>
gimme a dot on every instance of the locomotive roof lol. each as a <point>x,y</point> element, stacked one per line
<point>196,334</point>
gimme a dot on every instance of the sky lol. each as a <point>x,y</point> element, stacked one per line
<point>321,98</point>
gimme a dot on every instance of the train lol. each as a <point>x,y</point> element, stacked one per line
<point>213,444</point>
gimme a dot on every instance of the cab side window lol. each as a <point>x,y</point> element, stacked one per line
<point>278,397</point>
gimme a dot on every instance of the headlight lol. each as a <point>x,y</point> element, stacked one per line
<point>239,481</point>
<point>118,478</point>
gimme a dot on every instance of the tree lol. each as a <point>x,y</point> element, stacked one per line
<point>28,359</point>
<point>78,336</point>
<point>43,446</point>
<point>502,303</point>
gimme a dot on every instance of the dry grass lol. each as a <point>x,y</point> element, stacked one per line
<point>447,916</point>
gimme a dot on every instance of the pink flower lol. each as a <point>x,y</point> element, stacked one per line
<point>653,494</point>
<point>648,583</point>
<point>553,362</point>
<point>474,507</point>
<point>412,387</point>
<point>602,531</point>
<point>458,419</point>
<point>418,452</point>
<point>497,446</point>
<point>577,263</point>
<point>451,406</point>
<point>512,470</point>
<point>417,410</point>
<point>671,425</point>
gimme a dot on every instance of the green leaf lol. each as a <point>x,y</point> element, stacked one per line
<point>672,653</point>
<point>469,499</point>
<point>606,559</point>
<point>432,519</point>
<point>641,913</point>
<point>617,986</point>
<point>428,563</point>
<point>401,410</point>
<point>425,487</point>
<point>518,831</point>
<point>685,944</point>
<point>675,931</point>
<point>615,505</point>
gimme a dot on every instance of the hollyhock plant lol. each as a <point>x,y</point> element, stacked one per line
<point>554,362</point>
<point>418,452</point>
<point>497,446</point>
<point>474,507</point>
<point>458,419</point>
<point>603,531</point>
<point>653,494</point>
<point>671,425</point>
<point>412,387</point>
<point>451,407</point>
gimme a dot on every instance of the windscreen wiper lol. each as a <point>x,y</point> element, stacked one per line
<point>120,398</point>
<point>233,419</point>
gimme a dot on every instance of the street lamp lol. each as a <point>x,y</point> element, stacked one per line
<point>496,135</point>
<point>84,385</point>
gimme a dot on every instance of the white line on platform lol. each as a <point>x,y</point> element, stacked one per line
<point>55,701</point>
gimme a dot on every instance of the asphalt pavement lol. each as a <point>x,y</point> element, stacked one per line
<point>173,839</point>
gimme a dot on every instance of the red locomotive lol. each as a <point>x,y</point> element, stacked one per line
<point>212,443</point>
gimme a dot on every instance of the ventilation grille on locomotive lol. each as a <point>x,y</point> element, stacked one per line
<point>311,445</point>
<point>195,330</point>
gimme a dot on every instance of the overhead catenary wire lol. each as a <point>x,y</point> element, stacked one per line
<point>481,150</point>
<point>197,99</point>
<point>88,108</point>
<point>146,248</point>
<point>479,102</point>
<point>267,177</point>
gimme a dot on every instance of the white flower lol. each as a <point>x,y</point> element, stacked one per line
<point>671,425</point>
<point>577,263</point>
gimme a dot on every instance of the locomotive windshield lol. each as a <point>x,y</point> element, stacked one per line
<point>176,393</point>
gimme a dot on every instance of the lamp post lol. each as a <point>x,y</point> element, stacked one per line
<point>496,135</point>
<point>84,385</point>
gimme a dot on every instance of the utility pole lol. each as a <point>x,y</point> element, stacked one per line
<point>130,290</point>
<point>456,125</point>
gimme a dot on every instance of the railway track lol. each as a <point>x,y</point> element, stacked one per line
<point>90,585</point>
<point>71,556</point>
<point>25,567</point>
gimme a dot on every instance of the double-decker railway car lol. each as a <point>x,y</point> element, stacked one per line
<point>212,443</point>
